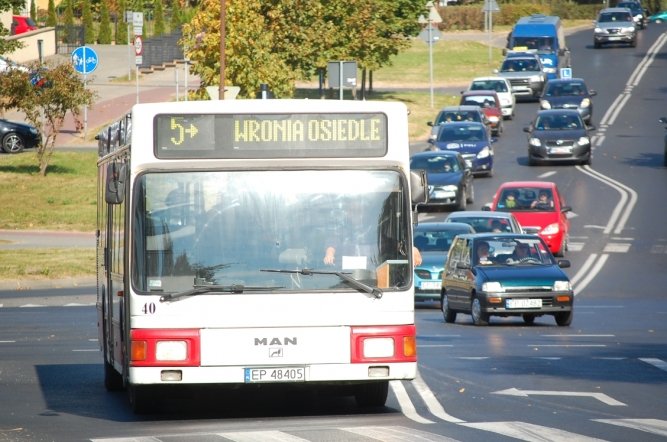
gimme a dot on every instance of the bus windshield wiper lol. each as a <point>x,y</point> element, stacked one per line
<point>344,276</point>
<point>233,288</point>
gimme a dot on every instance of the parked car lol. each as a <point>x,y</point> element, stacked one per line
<point>548,219</point>
<point>658,17</point>
<point>504,275</point>
<point>484,221</point>
<point>525,73</point>
<point>615,25</point>
<point>502,87</point>
<point>569,93</point>
<point>15,136</point>
<point>450,114</point>
<point>489,102</point>
<point>559,136</point>
<point>450,180</point>
<point>433,240</point>
<point>21,24</point>
<point>6,65</point>
<point>638,13</point>
<point>471,140</point>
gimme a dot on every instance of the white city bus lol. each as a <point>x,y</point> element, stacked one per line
<point>214,219</point>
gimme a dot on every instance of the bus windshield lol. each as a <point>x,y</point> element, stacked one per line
<point>193,229</point>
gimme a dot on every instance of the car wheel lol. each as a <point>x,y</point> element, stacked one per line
<point>589,160</point>
<point>564,319</point>
<point>596,45</point>
<point>561,250</point>
<point>12,143</point>
<point>471,193</point>
<point>528,318</point>
<point>478,316</point>
<point>447,313</point>
<point>633,44</point>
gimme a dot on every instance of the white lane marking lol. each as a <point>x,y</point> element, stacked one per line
<point>653,426</point>
<point>435,345</point>
<point>616,247</point>
<point>405,404</point>
<point>531,432</point>
<point>579,336</point>
<point>658,363</point>
<point>567,345</point>
<point>86,349</point>
<point>599,396</point>
<point>581,285</point>
<point>261,436</point>
<point>7,342</point>
<point>621,212</point>
<point>397,434</point>
<point>432,402</point>
<point>583,270</point>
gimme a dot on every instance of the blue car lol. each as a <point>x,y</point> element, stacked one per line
<point>505,274</point>
<point>450,180</point>
<point>471,140</point>
<point>433,240</point>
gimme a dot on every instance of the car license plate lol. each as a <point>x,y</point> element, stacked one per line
<point>431,285</point>
<point>560,150</point>
<point>523,303</point>
<point>275,374</point>
<point>614,38</point>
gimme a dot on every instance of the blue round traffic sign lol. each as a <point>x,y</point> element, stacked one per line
<point>84,59</point>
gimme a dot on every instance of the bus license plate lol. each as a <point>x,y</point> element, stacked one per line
<point>524,303</point>
<point>275,374</point>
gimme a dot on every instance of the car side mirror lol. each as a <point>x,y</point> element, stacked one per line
<point>114,192</point>
<point>564,263</point>
<point>418,187</point>
<point>486,207</point>
<point>564,209</point>
<point>429,123</point>
<point>592,92</point>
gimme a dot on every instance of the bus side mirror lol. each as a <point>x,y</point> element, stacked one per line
<point>418,187</point>
<point>114,193</point>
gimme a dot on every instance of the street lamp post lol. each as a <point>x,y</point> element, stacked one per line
<point>430,35</point>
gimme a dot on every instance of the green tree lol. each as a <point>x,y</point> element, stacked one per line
<point>59,90</point>
<point>104,35</point>
<point>33,10</point>
<point>7,46</point>
<point>121,32</point>
<point>250,58</point>
<point>89,31</point>
<point>159,18</point>
<point>51,19</point>
<point>175,22</point>
<point>68,21</point>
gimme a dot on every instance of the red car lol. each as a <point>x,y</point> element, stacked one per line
<point>540,209</point>
<point>490,104</point>
<point>22,24</point>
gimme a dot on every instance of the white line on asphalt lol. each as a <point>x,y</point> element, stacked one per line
<point>432,402</point>
<point>658,363</point>
<point>405,403</point>
<point>530,432</point>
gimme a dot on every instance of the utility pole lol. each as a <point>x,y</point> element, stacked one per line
<point>223,19</point>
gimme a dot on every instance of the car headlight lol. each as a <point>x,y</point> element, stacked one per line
<point>550,70</point>
<point>534,142</point>
<point>560,286</point>
<point>485,152</point>
<point>535,79</point>
<point>493,287</point>
<point>34,131</point>
<point>583,141</point>
<point>551,229</point>
<point>449,188</point>
<point>599,31</point>
<point>544,104</point>
<point>586,102</point>
<point>628,30</point>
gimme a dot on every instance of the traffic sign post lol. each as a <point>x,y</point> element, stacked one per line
<point>84,61</point>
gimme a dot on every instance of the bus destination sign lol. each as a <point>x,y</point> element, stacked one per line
<point>311,135</point>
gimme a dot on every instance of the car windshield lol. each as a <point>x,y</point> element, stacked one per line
<point>610,17</point>
<point>519,65</point>
<point>542,44</point>
<point>428,240</point>
<point>436,164</point>
<point>489,85</point>
<point>482,224</point>
<point>530,199</point>
<point>479,100</point>
<point>462,133</point>
<point>227,228</point>
<point>450,116</point>
<point>558,122</point>
<point>508,250</point>
<point>565,89</point>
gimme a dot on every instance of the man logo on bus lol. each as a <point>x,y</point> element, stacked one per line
<point>275,341</point>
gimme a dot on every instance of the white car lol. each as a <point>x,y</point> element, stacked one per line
<point>502,87</point>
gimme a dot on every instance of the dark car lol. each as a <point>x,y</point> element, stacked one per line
<point>433,240</point>
<point>486,221</point>
<point>638,13</point>
<point>490,103</point>
<point>559,136</point>
<point>615,25</point>
<point>471,140</point>
<point>450,180</point>
<point>505,274</point>
<point>16,136</point>
<point>569,93</point>
<point>450,114</point>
